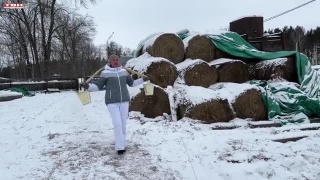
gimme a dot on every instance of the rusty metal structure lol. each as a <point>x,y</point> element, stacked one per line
<point>252,30</point>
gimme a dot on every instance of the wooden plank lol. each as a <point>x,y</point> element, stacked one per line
<point>315,120</point>
<point>303,129</point>
<point>291,139</point>
<point>224,127</point>
<point>10,98</point>
<point>264,125</point>
<point>270,124</point>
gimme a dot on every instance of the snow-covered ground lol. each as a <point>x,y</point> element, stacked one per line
<point>9,93</point>
<point>53,136</point>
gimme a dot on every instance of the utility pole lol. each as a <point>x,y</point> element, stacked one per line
<point>108,45</point>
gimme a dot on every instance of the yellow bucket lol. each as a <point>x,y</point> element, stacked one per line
<point>148,89</point>
<point>84,97</point>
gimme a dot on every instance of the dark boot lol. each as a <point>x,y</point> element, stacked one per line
<point>121,152</point>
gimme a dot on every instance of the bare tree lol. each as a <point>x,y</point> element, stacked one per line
<point>48,37</point>
<point>297,37</point>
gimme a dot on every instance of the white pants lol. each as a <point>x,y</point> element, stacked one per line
<point>119,115</point>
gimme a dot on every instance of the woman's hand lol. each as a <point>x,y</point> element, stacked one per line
<point>84,85</point>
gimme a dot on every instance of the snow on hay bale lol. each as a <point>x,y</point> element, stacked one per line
<point>196,73</point>
<point>201,47</point>
<point>202,104</point>
<point>161,71</point>
<point>166,45</point>
<point>245,99</point>
<point>150,106</point>
<point>281,67</point>
<point>230,70</point>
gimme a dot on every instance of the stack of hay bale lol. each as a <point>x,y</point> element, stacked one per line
<point>209,85</point>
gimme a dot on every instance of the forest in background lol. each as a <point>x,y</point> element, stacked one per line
<point>48,38</point>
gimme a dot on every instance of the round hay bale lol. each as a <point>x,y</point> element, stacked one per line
<point>166,45</point>
<point>231,70</point>
<point>245,100</point>
<point>202,104</point>
<point>151,106</point>
<point>281,67</point>
<point>210,112</point>
<point>161,71</point>
<point>197,73</point>
<point>252,70</point>
<point>201,47</point>
<point>250,105</point>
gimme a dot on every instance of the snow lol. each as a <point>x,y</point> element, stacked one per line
<point>2,78</point>
<point>196,94</point>
<point>241,17</point>
<point>142,42</point>
<point>186,40</point>
<point>315,67</point>
<point>311,89</point>
<point>134,91</point>
<point>150,41</point>
<point>188,63</point>
<point>222,61</point>
<point>37,82</point>
<point>4,93</point>
<point>53,136</point>
<point>183,31</point>
<point>231,91</point>
<point>142,62</point>
<point>244,47</point>
<point>273,62</point>
<point>209,33</point>
<point>183,66</point>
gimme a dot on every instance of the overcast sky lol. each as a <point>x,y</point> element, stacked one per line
<point>133,20</point>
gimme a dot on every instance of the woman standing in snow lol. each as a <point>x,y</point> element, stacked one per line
<point>115,79</point>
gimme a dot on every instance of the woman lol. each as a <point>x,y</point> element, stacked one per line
<point>115,79</point>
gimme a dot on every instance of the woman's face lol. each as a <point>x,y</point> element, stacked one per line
<point>114,62</point>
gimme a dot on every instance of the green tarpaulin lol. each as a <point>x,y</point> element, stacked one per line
<point>22,90</point>
<point>285,102</point>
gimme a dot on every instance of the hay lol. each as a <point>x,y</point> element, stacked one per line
<point>211,111</point>
<point>201,47</point>
<point>161,71</point>
<point>280,68</point>
<point>230,70</point>
<point>197,73</point>
<point>151,106</point>
<point>250,105</point>
<point>166,45</point>
<point>245,100</point>
<point>202,104</point>
<point>252,70</point>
